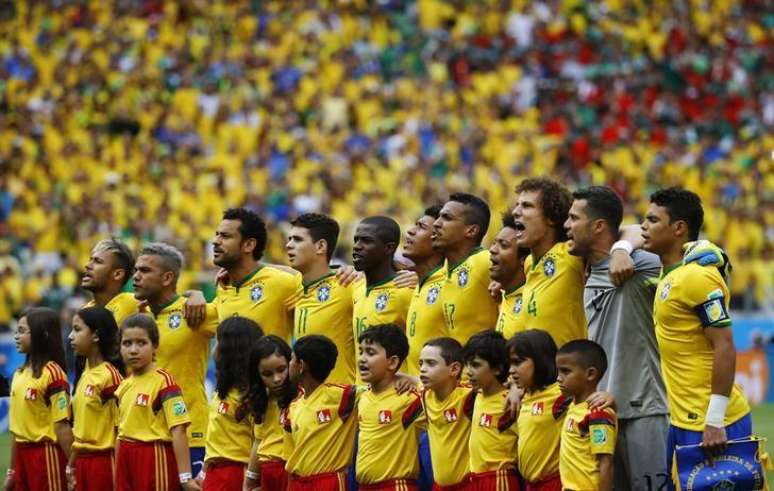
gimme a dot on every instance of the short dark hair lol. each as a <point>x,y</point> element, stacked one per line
<point>319,354</point>
<point>681,204</point>
<point>251,226</point>
<point>451,349</point>
<point>387,229</point>
<point>588,353</point>
<point>555,201</point>
<point>476,212</point>
<point>321,227</point>
<point>509,221</point>
<point>390,337</point>
<point>433,211</point>
<point>602,202</point>
<point>540,347</point>
<point>490,346</point>
<point>145,322</point>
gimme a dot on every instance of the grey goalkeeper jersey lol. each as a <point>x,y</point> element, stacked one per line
<point>621,321</point>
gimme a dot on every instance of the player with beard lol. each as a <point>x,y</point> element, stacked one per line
<point>507,269</point>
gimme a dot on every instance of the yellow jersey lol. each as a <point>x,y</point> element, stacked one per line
<point>95,410</point>
<point>510,321</point>
<point>448,432</point>
<point>183,351</point>
<point>318,423</point>
<point>270,433</point>
<point>122,306</point>
<point>586,434</point>
<point>230,428</point>
<point>38,402</point>
<point>149,406</point>
<point>265,296</point>
<point>493,434</point>
<point>389,426</point>
<point>425,316</point>
<point>540,424</point>
<point>324,306</point>
<point>467,306</point>
<point>553,293</point>
<point>688,299</point>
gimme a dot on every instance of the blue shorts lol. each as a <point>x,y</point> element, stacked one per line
<point>197,460</point>
<point>742,428</point>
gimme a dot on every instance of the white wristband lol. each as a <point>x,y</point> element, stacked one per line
<point>716,411</point>
<point>253,476</point>
<point>624,245</point>
<point>185,477</point>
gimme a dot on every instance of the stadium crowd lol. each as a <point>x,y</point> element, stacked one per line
<point>146,119</point>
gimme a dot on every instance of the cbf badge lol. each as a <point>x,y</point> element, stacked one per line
<point>256,293</point>
<point>549,267</point>
<point>517,306</point>
<point>665,290</point>
<point>432,295</point>
<point>323,293</point>
<point>462,278</point>
<point>175,320</point>
<point>381,302</point>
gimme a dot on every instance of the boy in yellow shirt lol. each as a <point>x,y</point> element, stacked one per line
<point>588,438</point>
<point>389,422</point>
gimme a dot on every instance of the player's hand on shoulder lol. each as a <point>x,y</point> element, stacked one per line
<point>714,441</point>
<point>621,267</point>
<point>406,279</point>
<point>347,275</point>
<point>495,291</point>
<point>405,383</point>
<point>195,308</point>
<point>513,399</point>
<point>601,400</point>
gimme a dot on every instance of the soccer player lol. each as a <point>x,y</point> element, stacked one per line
<point>619,316</point>
<point>377,299</point>
<point>493,434</point>
<point>257,291</point>
<point>693,330</point>
<point>183,350</point>
<point>448,408</point>
<point>507,269</point>
<point>110,267</point>
<point>39,417</point>
<point>152,449</point>
<point>389,422</point>
<point>468,307</point>
<point>323,303</point>
<point>588,438</point>
<point>425,312</point>
<point>320,427</point>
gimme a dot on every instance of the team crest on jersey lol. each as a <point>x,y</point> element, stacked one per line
<point>142,400</point>
<point>517,306</point>
<point>256,293</point>
<point>537,408</point>
<point>549,267</point>
<point>485,420</point>
<point>323,293</point>
<point>462,277</point>
<point>223,407</point>
<point>450,415</point>
<point>324,416</point>
<point>175,320</point>
<point>90,390</point>
<point>570,426</point>
<point>385,417</point>
<point>381,302</point>
<point>31,394</point>
<point>432,295</point>
<point>665,290</point>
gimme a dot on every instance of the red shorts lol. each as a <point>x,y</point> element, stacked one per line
<point>330,481</point>
<point>146,465</point>
<point>274,477</point>
<point>40,467</point>
<point>502,480</point>
<point>460,486</point>
<point>391,485</point>
<point>548,483</point>
<point>94,471</point>
<point>223,475</point>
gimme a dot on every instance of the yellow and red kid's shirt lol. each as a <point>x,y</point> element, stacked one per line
<point>586,435</point>
<point>38,402</point>
<point>95,409</point>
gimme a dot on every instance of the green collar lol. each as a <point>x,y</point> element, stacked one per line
<point>427,275</point>
<point>536,260</point>
<point>475,250</point>
<point>247,278</point>
<point>512,290</point>
<point>162,307</point>
<point>379,283</point>
<point>668,269</point>
<point>309,284</point>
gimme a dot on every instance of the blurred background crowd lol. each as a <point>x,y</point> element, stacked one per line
<point>146,119</point>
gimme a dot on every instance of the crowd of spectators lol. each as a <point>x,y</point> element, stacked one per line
<point>146,119</point>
